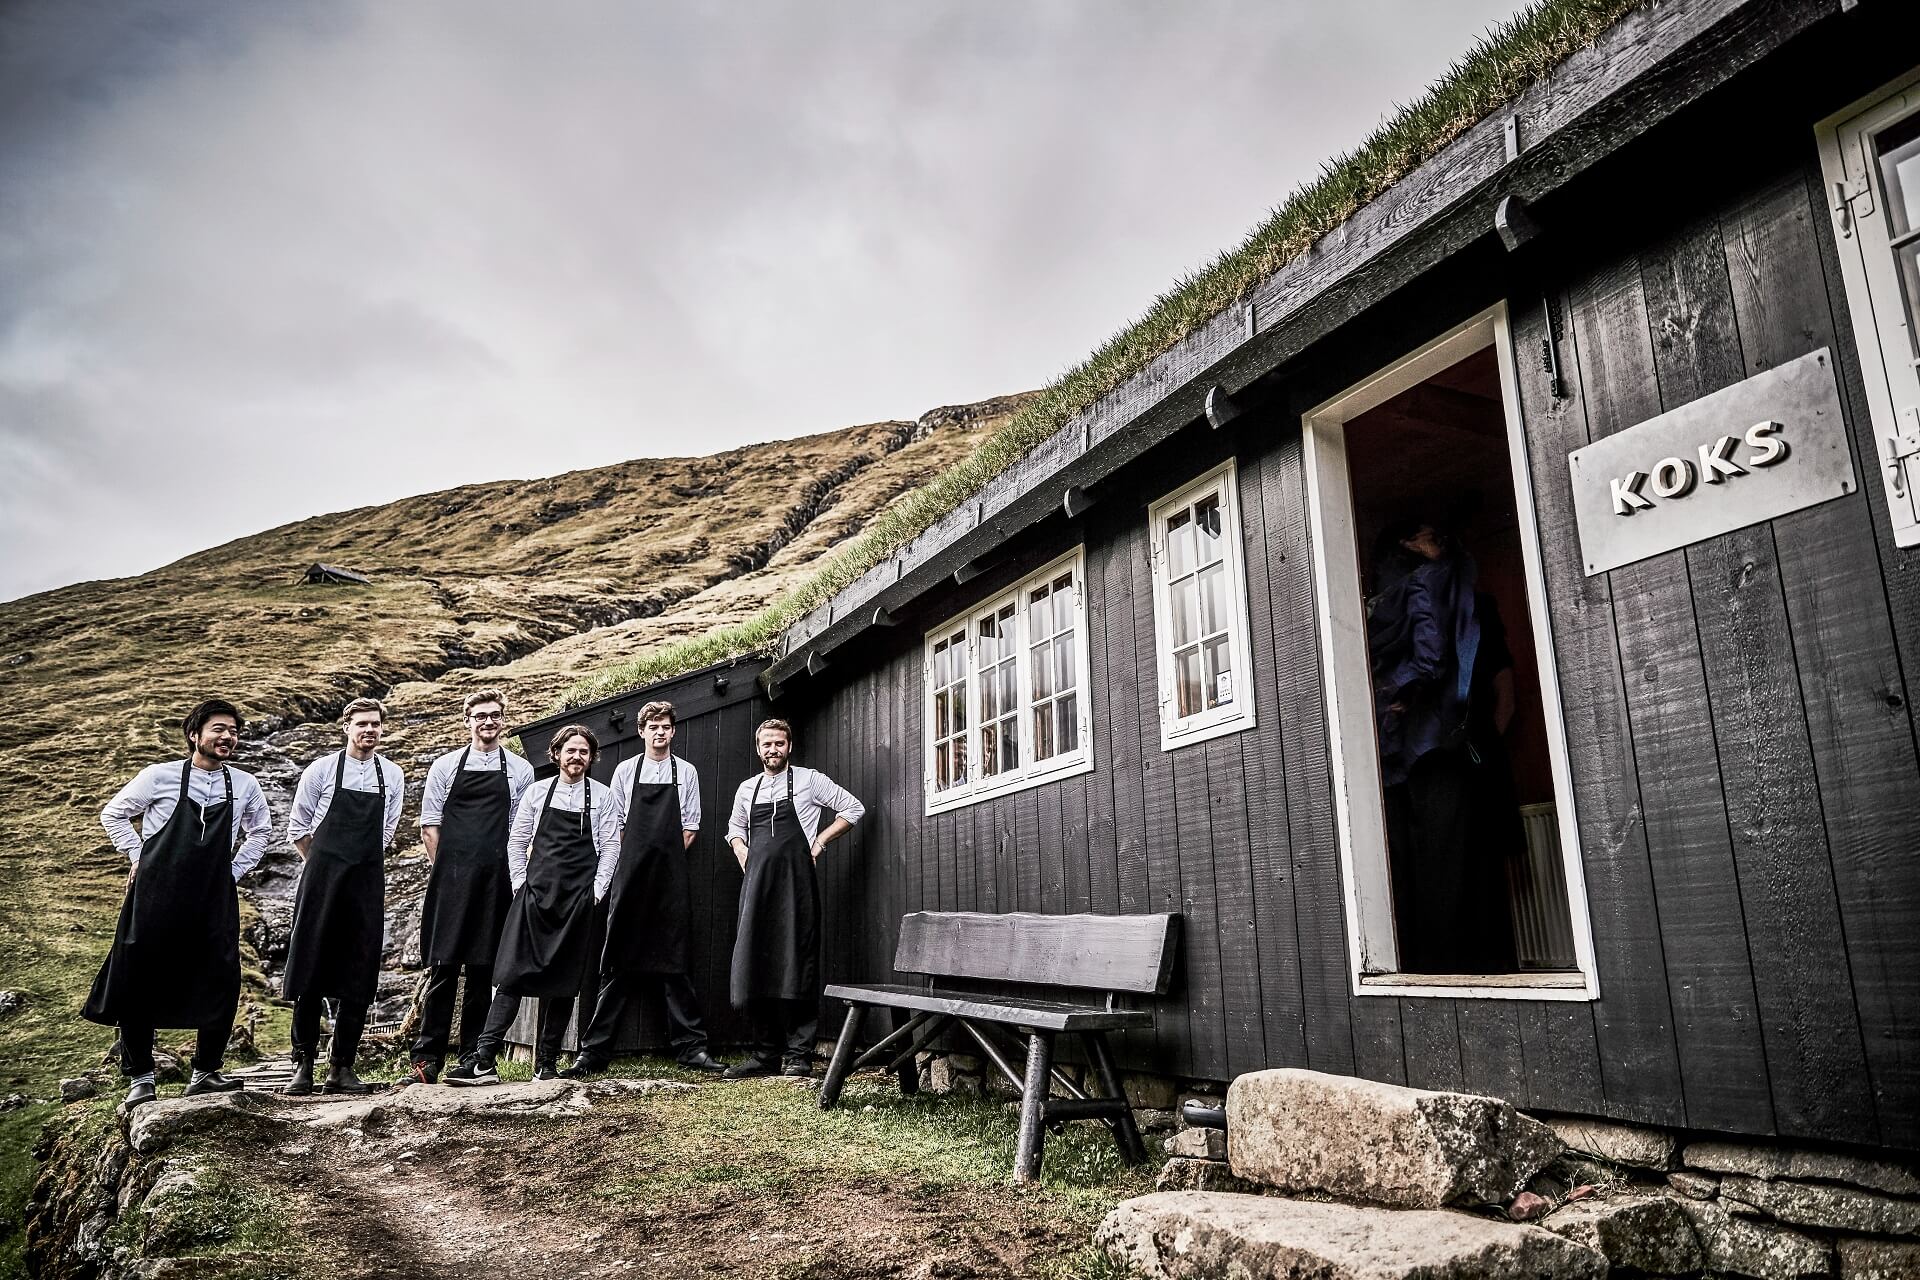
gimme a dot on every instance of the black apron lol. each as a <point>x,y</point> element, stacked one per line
<point>340,912</point>
<point>468,889</point>
<point>776,953</point>
<point>649,904</point>
<point>175,960</point>
<point>546,947</point>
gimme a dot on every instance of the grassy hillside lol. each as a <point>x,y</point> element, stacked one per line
<point>525,584</point>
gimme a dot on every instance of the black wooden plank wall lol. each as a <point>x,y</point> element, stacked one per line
<point>1738,715</point>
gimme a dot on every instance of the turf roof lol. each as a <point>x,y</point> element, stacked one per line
<point>1503,62</point>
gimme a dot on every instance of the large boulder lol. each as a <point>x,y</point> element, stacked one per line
<point>1307,1131</point>
<point>1628,1144</point>
<point>1641,1232</point>
<point>1200,1235</point>
<point>1879,1259</point>
<point>1758,1249</point>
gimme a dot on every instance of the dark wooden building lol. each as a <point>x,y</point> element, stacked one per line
<point>1133,673</point>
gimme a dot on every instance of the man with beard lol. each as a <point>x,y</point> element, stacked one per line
<point>657,797</point>
<point>175,960</point>
<point>777,837</point>
<point>345,813</point>
<point>561,858</point>
<point>466,813</point>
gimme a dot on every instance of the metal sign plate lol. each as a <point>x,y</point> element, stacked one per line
<point>1758,449</point>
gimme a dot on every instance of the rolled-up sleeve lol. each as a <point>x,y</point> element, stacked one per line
<point>742,801</point>
<point>127,804</point>
<point>621,788</point>
<point>433,795</point>
<point>396,800</point>
<point>256,824</point>
<point>520,839</point>
<point>830,795</point>
<point>689,797</point>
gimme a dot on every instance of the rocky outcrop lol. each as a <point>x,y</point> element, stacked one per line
<point>1192,1235</point>
<point>1768,1163</point>
<point>1644,1232</point>
<point>1761,1250</point>
<point>1300,1130</point>
<point>1812,1204</point>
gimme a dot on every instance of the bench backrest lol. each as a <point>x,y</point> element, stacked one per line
<point>1107,953</point>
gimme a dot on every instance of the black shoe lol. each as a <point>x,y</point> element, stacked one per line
<point>140,1094</point>
<point>342,1080</point>
<point>801,1067</point>
<point>701,1060</point>
<point>418,1073</point>
<point>545,1071</point>
<point>749,1068</point>
<point>302,1082</point>
<point>584,1067</point>
<point>212,1082</point>
<point>471,1072</point>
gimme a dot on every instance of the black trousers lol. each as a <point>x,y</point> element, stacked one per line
<point>436,1020</point>
<point>349,1021</point>
<point>783,1028</point>
<point>551,1027</point>
<point>685,1034</point>
<point>209,1047</point>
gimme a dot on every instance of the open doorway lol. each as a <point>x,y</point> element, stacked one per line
<point>1453,784</point>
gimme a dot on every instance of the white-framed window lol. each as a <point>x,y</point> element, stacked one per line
<point>1200,610</point>
<point>1006,697</point>
<point>1400,442</point>
<point>1870,154</point>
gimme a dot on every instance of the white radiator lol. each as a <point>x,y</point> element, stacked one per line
<point>1537,885</point>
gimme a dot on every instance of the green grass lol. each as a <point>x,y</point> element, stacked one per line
<point>1501,64</point>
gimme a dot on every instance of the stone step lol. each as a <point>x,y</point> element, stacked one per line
<point>1298,1130</point>
<point>1202,1235</point>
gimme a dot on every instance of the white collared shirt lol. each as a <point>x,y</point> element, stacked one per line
<point>315,793</point>
<point>813,793</point>
<point>659,771</point>
<point>155,791</point>
<point>433,796</point>
<point>567,798</point>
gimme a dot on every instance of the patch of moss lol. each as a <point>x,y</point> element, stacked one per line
<point>1500,65</point>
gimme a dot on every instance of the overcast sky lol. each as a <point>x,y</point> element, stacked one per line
<point>262,261</point>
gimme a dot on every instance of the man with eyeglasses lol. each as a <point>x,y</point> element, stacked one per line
<point>175,960</point>
<point>466,813</point>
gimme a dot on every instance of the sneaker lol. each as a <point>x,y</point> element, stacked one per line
<point>749,1068</point>
<point>472,1072</point>
<point>583,1067</point>
<point>212,1082</point>
<point>418,1073</point>
<point>701,1060</point>
<point>140,1094</point>
<point>545,1071</point>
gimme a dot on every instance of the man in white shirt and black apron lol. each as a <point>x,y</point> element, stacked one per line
<point>175,960</point>
<point>649,906</point>
<point>776,836</point>
<point>466,814</point>
<point>345,813</point>
<point>561,858</point>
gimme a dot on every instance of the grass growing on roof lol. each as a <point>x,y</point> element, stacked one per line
<point>1502,63</point>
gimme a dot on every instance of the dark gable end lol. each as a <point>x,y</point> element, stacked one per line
<point>1652,64</point>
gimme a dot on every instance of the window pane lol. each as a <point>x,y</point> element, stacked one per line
<point>1186,682</point>
<point>989,642</point>
<point>1066,720</point>
<point>1009,745</point>
<point>989,752</point>
<point>1907,259</point>
<point>1180,543</point>
<point>959,761</point>
<point>940,729</point>
<point>1206,518</point>
<point>1009,691</point>
<point>1039,611</point>
<point>1219,672</point>
<point>988,708</point>
<point>1063,604</point>
<point>1063,663</point>
<point>960,707</point>
<point>1043,732</point>
<point>1042,671</point>
<point>1899,149</point>
<point>1213,599</point>
<point>1184,597</point>
<point>942,778</point>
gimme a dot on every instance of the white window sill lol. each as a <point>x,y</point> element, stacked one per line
<point>945,801</point>
<point>1188,733</point>
<point>1560,984</point>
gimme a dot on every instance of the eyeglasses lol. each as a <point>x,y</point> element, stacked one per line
<point>487,715</point>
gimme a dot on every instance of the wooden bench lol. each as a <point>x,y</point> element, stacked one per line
<point>976,961</point>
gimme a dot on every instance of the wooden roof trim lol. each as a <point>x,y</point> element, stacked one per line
<point>1653,63</point>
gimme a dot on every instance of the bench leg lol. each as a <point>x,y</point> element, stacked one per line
<point>1126,1134</point>
<point>909,1076</point>
<point>1033,1107</point>
<point>842,1058</point>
